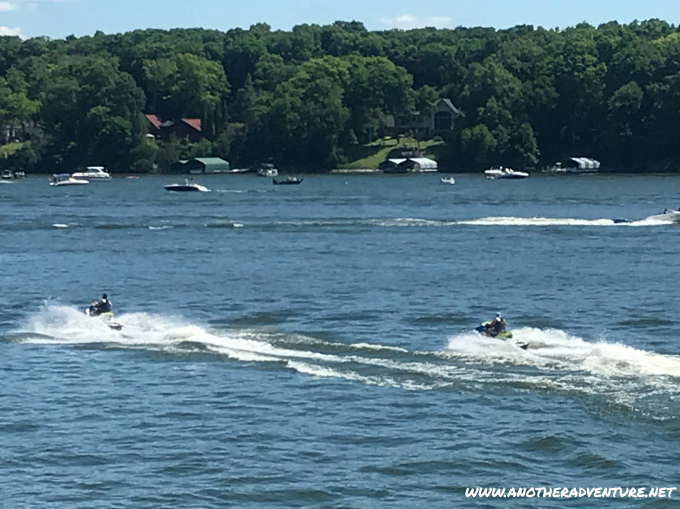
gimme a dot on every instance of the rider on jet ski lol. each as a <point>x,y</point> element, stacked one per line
<point>496,326</point>
<point>101,306</point>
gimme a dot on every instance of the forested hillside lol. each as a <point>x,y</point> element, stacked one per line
<point>305,98</point>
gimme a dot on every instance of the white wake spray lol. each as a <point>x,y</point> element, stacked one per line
<point>554,361</point>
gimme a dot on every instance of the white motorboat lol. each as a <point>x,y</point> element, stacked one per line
<point>667,216</point>
<point>93,173</point>
<point>187,187</point>
<point>448,180</point>
<point>267,170</point>
<point>499,172</point>
<point>65,179</point>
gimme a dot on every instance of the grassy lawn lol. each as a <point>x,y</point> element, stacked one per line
<point>369,156</point>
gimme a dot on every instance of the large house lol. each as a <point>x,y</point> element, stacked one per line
<point>188,129</point>
<point>439,119</point>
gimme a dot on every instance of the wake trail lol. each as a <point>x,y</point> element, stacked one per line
<point>554,361</point>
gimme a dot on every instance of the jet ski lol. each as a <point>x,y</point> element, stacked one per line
<point>505,335</point>
<point>107,317</point>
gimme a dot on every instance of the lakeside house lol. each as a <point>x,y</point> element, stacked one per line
<point>439,119</point>
<point>189,129</point>
<point>201,166</point>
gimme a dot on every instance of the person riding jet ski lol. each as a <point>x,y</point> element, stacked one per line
<point>496,326</point>
<point>101,306</point>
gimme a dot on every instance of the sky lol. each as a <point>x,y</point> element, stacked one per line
<point>60,18</point>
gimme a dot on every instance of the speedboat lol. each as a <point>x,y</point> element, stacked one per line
<point>65,179</point>
<point>448,180</point>
<point>667,216</point>
<point>499,172</point>
<point>94,173</point>
<point>267,170</point>
<point>187,187</point>
<point>288,181</point>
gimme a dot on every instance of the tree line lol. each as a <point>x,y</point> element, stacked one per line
<point>305,98</point>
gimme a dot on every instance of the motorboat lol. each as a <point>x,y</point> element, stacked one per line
<point>448,180</point>
<point>9,175</point>
<point>65,179</point>
<point>93,173</point>
<point>187,187</point>
<point>499,172</point>
<point>288,181</point>
<point>667,216</point>
<point>267,170</point>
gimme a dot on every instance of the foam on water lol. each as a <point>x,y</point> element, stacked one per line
<point>557,350</point>
<point>549,221</point>
<point>554,361</point>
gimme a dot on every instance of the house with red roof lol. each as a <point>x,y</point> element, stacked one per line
<point>188,129</point>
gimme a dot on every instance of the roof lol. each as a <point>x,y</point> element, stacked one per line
<point>155,121</point>
<point>208,165</point>
<point>424,162</point>
<point>209,160</point>
<point>450,105</point>
<point>193,122</point>
<point>585,162</point>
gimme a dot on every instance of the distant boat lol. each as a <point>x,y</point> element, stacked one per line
<point>9,175</point>
<point>93,173</point>
<point>288,181</point>
<point>267,170</point>
<point>499,172</point>
<point>448,180</point>
<point>65,179</point>
<point>187,187</point>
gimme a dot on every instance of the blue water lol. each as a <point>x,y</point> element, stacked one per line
<point>312,345</point>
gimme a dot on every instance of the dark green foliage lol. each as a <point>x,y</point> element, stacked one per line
<point>313,96</point>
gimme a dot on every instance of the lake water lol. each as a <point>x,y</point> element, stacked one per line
<point>312,345</point>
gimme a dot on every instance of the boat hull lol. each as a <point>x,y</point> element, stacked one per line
<point>70,182</point>
<point>186,188</point>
